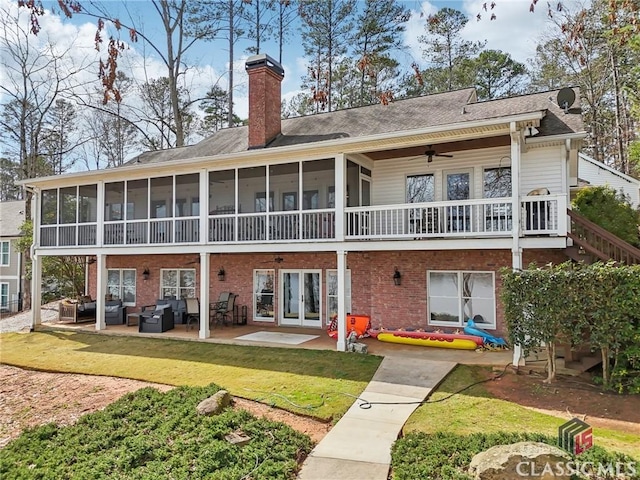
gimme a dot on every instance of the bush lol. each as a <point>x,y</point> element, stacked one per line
<point>446,456</point>
<point>149,434</point>
<point>611,210</point>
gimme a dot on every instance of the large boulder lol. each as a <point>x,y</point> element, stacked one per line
<point>522,460</point>
<point>215,404</point>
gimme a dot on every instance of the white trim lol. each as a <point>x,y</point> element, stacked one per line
<point>8,253</point>
<point>461,322</point>
<point>603,166</point>
<point>254,295</point>
<point>346,145</point>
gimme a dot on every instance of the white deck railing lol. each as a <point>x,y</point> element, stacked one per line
<point>487,217</point>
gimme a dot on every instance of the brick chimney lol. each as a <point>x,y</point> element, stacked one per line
<point>265,76</point>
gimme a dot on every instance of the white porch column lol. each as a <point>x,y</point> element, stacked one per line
<point>516,250</point>
<point>100,214</point>
<point>341,344</point>
<point>205,277</point>
<point>101,290</point>
<point>36,288</point>
<point>204,207</point>
<point>340,194</point>
<point>36,261</point>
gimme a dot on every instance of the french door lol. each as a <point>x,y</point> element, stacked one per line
<point>457,186</point>
<point>300,298</point>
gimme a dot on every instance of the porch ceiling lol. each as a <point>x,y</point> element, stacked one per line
<point>456,146</point>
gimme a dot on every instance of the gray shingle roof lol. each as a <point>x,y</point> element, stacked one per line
<point>11,218</point>
<point>421,112</point>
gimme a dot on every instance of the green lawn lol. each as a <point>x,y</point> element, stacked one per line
<point>314,382</point>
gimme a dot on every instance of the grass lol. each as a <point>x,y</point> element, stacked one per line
<point>475,411</point>
<point>312,382</point>
<point>295,379</point>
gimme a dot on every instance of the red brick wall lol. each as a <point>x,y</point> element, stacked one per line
<point>264,106</point>
<point>372,289</point>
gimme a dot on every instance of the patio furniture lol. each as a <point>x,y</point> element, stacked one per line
<point>77,311</point>
<point>178,306</point>
<point>114,312</point>
<point>133,319</point>
<point>193,311</point>
<point>158,320</point>
<point>222,310</point>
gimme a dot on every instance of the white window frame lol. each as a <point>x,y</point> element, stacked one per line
<point>5,253</point>
<point>178,287</point>
<point>121,285</point>
<point>256,294</point>
<point>347,291</point>
<point>461,321</point>
<point>4,295</point>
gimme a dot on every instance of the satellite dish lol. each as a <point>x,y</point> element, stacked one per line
<point>430,153</point>
<point>566,97</point>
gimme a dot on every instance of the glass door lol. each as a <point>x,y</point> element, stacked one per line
<point>301,298</point>
<point>458,187</point>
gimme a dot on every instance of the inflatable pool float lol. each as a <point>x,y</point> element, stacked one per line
<point>472,329</point>
<point>429,339</point>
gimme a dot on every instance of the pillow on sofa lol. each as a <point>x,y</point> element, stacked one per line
<point>111,308</point>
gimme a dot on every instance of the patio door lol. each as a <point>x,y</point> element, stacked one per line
<point>300,298</point>
<point>457,186</point>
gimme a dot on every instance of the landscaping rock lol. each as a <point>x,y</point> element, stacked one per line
<point>215,404</point>
<point>522,460</point>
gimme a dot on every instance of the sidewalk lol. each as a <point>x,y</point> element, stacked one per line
<point>359,446</point>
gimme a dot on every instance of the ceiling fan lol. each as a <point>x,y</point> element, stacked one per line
<point>430,153</point>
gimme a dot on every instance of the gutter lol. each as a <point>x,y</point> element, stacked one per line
<point>333,145</point>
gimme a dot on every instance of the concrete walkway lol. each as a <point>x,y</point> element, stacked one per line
<point>359,445</point>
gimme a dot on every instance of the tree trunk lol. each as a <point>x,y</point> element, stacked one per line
<point>605,367</point>
<point>551,362</point>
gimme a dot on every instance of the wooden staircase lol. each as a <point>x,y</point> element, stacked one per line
<point>591,242</point>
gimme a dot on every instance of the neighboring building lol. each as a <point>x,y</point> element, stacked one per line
<point>11,261</point>
<point>594,173</point>
<point>313,216</point>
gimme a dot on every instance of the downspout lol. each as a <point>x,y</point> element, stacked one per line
<point>516,249</point>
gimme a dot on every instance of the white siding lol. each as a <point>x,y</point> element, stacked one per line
<point>541,168</point>
<point>597,175</point>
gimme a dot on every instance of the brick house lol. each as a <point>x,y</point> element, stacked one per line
<point>404,212</point>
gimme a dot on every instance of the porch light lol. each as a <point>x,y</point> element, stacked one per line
<point>397,277</point>
<point>221,274</point>
<point>145,273</point>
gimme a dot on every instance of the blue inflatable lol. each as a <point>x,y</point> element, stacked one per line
<point>471,329</point>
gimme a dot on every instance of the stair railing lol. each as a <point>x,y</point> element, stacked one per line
<point>599,242</point>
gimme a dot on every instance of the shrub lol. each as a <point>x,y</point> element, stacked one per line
<point>150,435</point>
<point>446,456</point>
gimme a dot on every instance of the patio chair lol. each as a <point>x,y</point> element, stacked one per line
<point>158,320</point>
<point>193,311</point>
<point>223,310</point>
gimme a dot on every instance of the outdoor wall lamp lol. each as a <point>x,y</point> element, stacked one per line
<point>145,273</point>
<point>221,274</point>
<point>397,277</point>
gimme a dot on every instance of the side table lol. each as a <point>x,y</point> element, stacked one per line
<point>133,319</point>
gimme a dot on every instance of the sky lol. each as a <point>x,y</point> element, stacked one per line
<point>515,31</point>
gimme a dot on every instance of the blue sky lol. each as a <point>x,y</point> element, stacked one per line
<point>515,31</point>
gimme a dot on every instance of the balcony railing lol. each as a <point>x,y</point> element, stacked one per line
<point>479,218</point>
<point>489,217</point>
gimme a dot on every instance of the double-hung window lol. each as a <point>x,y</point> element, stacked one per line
<point>263,294</point>
<point>4,296</point>
<point>332,293</point>
<point>178,283</point>
<point>121,285</point>
<point>455,297</point>
<point>4,253</point>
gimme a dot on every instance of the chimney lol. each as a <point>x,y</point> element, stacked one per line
<point>265,76</point>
